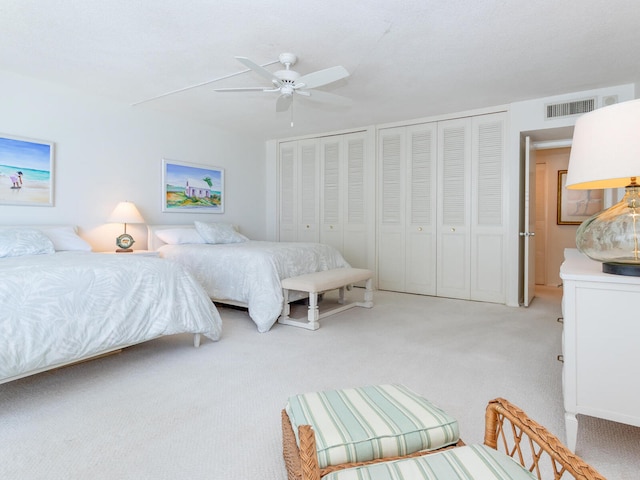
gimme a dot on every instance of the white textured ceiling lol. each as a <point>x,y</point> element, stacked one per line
<point>407,58</point>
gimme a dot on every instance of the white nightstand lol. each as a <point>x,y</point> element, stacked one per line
<point>143,253</point>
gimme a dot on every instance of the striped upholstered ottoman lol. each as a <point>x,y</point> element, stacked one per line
<point>470,462</point>
<point>332,430</point>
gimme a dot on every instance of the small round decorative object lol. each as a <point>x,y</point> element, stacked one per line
<point>125,241</point>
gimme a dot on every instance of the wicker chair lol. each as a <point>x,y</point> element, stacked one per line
<point>507,428</point>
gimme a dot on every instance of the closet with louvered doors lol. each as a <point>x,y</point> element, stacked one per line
<point>345,179</point>
<point>298,202</point>
<point>441,208</point>
<point>407,208</point>
<point>471,208</point>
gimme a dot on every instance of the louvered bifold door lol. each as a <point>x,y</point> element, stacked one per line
<point>454,214</point>
<point>287,215</point>
<point>391,209</point>
<point>420,233</point>
<point>487,209</point>
<point>308,179</point>
<point>331,198</point>
<point>354,213</point>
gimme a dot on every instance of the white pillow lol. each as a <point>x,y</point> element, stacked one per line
<point>219,233</point>
<point>179,236</point>
<point>24,241</point>
<point>66,238</point>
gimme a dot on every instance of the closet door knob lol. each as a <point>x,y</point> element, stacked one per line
<point>419,229</point>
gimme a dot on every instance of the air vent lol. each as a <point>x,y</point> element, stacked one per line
<point>566,109</point>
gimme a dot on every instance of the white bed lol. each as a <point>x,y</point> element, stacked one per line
<point>67,306</point>
<point>246,273</point>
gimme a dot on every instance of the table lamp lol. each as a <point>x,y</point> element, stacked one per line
<point>605,153</point>
<point>125,212</point>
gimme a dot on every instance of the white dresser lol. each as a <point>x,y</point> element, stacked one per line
<point>601,344</point>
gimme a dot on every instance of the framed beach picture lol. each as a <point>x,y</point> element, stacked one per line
<point>575,206</point>
<point>26,171</point>
<point>192,188</point>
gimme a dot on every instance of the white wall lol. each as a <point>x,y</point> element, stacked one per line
<point>271,200</point>
<point>525,117</point>
<point>106,152</point>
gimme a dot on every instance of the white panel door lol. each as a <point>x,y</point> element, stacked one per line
<point>487,208</point>
<point>331,182</point>
<point>308,191</point>
<point>454,240</point>
<point>420,261</point>
<point>343,206</point>
<point>391,209</point>
<point>355,212</point>
<point>288,178</point>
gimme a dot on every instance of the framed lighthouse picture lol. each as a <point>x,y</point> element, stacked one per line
<point>192,188</point>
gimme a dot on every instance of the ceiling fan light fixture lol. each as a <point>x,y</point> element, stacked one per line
<point>287,75</point>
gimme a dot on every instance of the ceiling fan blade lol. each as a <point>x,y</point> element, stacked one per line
<point>259,70</point>
<point>283,103</point>
<point>322,77</point>
<point>320,96</point>
<point>243,89</point>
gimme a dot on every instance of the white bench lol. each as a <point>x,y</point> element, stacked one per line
<point>320,282</point>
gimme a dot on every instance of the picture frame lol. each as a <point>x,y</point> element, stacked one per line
<point>192,188</point>
<point>575,206</point>
<point>26,171</point>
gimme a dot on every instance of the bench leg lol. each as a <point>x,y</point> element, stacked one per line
<point>312,319</point>
<point>341,295</point>
<point>286,308</point>
<point>314,312</point>
<point>368,294</point>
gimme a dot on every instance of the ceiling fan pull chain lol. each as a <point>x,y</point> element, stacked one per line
<point>292,113</point>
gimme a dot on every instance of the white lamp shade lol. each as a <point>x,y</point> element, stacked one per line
<point>605,152</point>
<point>125,212</point>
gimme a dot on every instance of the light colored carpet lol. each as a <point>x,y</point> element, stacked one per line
<point>165,410</point>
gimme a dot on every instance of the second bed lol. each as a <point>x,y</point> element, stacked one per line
<point>245,273</point>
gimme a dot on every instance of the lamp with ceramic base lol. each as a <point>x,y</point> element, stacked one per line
<point>125,212</point>
<point>605,153</point>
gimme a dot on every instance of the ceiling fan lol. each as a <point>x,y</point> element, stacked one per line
<point>288,83</point>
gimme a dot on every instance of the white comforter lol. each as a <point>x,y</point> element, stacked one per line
<point>250,272</point>
<point>69,305</point>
